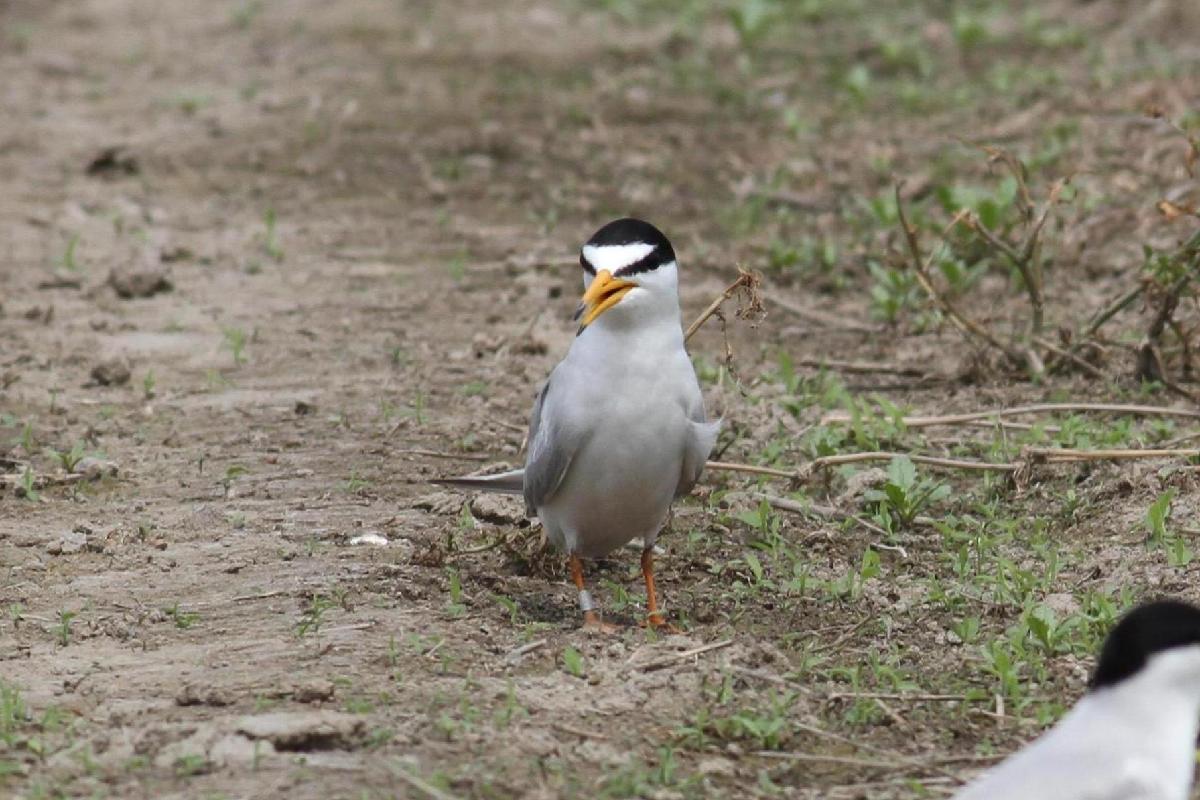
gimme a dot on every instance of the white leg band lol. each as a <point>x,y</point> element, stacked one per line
<point>585,601</point>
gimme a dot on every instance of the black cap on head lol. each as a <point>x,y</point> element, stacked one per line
<point>1142,633</point>
<point>629,230</point>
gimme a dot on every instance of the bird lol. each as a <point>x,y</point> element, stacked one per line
<point>619,430</point>
<point>1132,736</point>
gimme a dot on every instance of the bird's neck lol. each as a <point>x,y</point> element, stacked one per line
<point>660,330</point>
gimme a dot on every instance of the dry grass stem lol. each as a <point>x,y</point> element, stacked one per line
<point>1036,408</point>
<point>749,284</point>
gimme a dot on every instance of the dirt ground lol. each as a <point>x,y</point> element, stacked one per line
<point>355,225</point>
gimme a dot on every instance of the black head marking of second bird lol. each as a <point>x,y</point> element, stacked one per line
<point>1143,633</point>
<point>629,230</point>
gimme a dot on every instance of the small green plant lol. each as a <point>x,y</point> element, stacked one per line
<point>245,13</point>
<point>767,525</point>
<point>455,607</point>
<point>68,460</point>
<point>148,384</point>
<point>904,496</point>
<point>457,266</point>
<point>752,20</point>
<point>416,408</point>
<point>232,472</point>
<point>1157,515</point>
<point>27,490</point>
<point>893,291</point>
<point>26,440</point>
<point>68,260</point>
<point>967,629</point>
<point>509,605</point>
<point>13,713</point>
<point>235,341</point>
<point>271,243</point>
<point>1179,554</point>
<point>354,483</point>
<point>573,661</point>
<point>851,585</point>
<point>192,764</point>
<point>999,661</point>
<point>182,619</point>
<point>311,620</point>
<point>63,629</point>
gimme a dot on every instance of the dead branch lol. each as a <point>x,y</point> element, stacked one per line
<point>862,367</point>
<point>1055,350</point>
<point>749,284</point>
<point>1149,360</point>
<point>1037,408</point>
<point>827,320</point>
<point>920,268</point>
<point>1026,257</point>
<point>1104,315</point>
<point>1030,455</point>
<point>825,512</point>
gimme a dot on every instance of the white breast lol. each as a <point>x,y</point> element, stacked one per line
<point>633,402</point>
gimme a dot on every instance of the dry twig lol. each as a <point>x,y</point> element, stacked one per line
<point>676,658</point>
<point>1036,408</point>
<point>748,283</point>
<point>920,267</point>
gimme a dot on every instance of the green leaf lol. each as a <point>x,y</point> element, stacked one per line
<point>901,472</point>
<point>870,564</point>
<point>573,661</point>
<point>756,567</point>
<point>1158,513</point>
<point>897,496</point>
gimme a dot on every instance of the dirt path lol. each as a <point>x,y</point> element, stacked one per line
<point>367,213</point>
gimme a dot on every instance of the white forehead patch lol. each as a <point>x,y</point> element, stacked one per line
<point>614,256</point>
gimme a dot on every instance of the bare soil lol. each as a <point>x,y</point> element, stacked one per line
<point>366,214</point>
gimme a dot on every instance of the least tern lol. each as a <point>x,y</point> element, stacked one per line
<point>619,430</point>
<point>1133,735</point>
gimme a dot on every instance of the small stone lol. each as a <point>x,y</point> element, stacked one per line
<point>69,543</point>
<point>176,253</point>
<point>1062,604</point>
<point>94,468</point>
<point>305,730</point>
<point>235,750</point>
<point>371,538</point>
<point>439,503</point>
<point>722,767</point>
<point>314,691</point>
<point>497,508</point>
<point>139,281</point>
<point>113,160</point>
<point>859,483</point>
<point>111,372</point>
<point>193,694</point>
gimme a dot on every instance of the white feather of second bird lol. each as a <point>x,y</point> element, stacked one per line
<point>1134,740</point>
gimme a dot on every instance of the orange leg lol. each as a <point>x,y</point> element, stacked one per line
<point>591,617</point>
<point>653,618</point>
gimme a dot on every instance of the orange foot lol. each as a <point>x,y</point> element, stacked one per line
<point>656,622</point>
<point>593,624</point>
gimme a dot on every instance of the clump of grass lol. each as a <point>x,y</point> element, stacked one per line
<point>271,244</point>
<point>234,340</point>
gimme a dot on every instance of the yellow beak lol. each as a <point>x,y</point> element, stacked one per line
<point>604,293</point>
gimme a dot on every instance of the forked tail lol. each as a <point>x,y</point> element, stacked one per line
<point>511,482</point>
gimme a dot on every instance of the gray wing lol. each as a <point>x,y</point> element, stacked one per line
<point>702,435</point>
<point>550,451</point>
